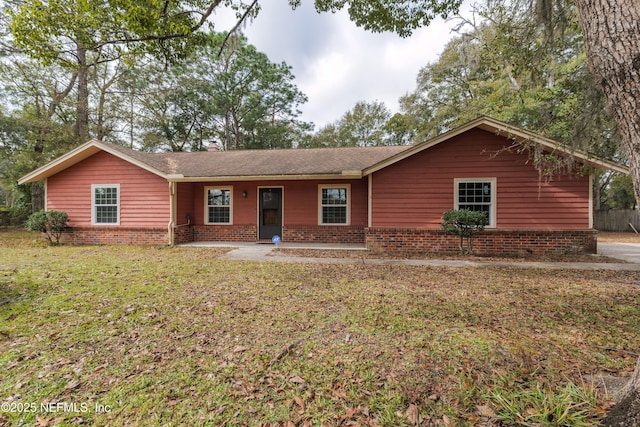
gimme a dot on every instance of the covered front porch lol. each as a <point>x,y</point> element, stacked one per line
<point>317,211</point>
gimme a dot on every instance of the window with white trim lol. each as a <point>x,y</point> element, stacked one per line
<point>477,195</point>
<point>218,201</point>
<point>105,204</point>
<point>334,204</point>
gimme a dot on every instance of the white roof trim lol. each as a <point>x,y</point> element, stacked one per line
<point>237,178</point>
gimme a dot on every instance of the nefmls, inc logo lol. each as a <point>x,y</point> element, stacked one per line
<point>64,407</point>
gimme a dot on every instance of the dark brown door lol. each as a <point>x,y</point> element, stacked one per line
<point>270,213</point>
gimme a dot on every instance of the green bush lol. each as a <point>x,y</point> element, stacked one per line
<point>51,223</point>
<point>466,224</point>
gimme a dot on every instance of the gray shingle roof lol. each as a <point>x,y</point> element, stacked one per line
<point>248,163</point>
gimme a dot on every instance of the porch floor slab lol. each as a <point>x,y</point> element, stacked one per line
<point>282,245</point>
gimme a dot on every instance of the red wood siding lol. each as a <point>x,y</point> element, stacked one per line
<point>184,201</point>
<point>416,191</point>
<point>144,197</point>
<point>244,208</point>
<point>300,200</point>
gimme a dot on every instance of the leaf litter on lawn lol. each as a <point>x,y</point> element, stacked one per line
<point>177,336</point>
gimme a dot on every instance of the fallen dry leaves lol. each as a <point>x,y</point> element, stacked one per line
<point>176,336</point>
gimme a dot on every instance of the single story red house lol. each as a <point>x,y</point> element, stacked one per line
<point>388,198</point>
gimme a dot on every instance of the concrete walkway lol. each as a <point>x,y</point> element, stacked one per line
<point>264,252</point>
<point>629,252</point>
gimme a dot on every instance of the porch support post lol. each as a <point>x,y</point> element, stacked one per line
<point>172,212</point>
<point>369,199</point>
<point>591,206</point>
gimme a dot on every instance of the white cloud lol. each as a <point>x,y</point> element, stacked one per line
<point>337,64</point>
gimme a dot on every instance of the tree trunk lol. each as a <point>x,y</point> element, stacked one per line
<point>100,131</point>
<point>611,31</point>
<point>103,87</point>
<point>627,411</point>
<point>227,131</point>
<point>634,382</point>
<point>37,196</point>
<point>82,106</point>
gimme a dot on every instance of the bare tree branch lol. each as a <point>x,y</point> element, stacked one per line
<point>233,30</point>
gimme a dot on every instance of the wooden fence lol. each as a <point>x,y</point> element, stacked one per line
<point>617,220</point>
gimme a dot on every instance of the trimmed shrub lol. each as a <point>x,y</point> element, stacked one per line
<point>51,223</point>
<point>466,224</point>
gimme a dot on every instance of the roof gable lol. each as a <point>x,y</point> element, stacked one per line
<point>508,131</point>
<point>84,151</point>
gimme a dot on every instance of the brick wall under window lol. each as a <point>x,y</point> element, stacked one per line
<point>489,242</point>
<point>323,234</point>
<point>116,235</point>
<point>224,233</point>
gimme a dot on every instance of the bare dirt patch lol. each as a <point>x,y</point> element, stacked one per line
<point>610,237</point>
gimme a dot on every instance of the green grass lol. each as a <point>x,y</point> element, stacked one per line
<point>537,403</point>
<point>177,336</point>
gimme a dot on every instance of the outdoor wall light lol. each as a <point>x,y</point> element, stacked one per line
<point>244,194</point>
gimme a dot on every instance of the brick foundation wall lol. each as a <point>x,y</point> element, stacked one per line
<point>379,239</point>
<point>224,233</point>
<point>116,235</point>
<point>323,234</point>
<point>183,234</point>
<point>489,242</point>
<point>295,233</point>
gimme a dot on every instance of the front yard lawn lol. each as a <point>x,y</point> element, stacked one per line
<point>118,335</point>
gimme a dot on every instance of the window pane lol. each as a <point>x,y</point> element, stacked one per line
<point>474,192</point>
<point>270,200</point>
<point>106,196</point>
<point>334,215</point>
<point>219,197</point>
<point>219,214</point>
<point>477,208</point>
<point>106,214</point>
<point>334,196</point>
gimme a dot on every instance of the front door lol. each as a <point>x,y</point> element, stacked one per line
<point>270,213</point>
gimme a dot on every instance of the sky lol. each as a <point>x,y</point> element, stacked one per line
<point>337,64</point>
